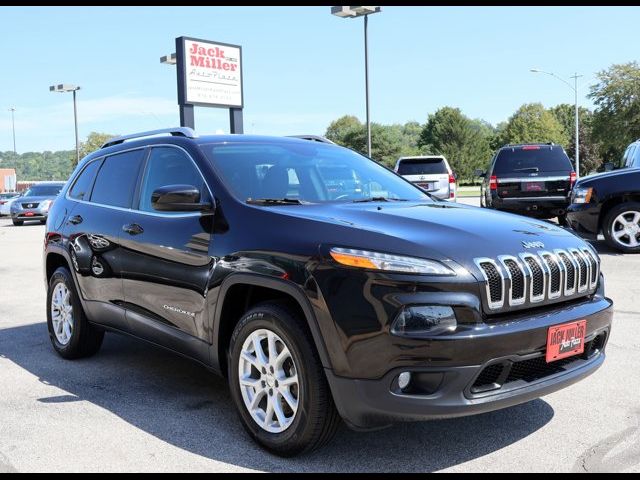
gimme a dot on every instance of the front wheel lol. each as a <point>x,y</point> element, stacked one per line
<point>621,227</point>
<point>18,223</point>
<point>278,384</point>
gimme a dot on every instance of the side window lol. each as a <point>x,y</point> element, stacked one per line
<point>117,178</point>
<point>82,187</point>
<point>169,166</point>
<point>633,155</point>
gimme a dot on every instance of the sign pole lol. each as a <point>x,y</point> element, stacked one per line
<point>235,120</point>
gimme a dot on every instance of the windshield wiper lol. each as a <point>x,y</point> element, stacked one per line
<point>527,169</point>
<point>274,201</point>
<point>379,199</point>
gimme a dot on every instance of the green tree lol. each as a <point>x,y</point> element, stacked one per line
<point>590,157</point>
<point>464,142</point>
<point>616,121</point>
<point>388,142</point>
<point>532,123</point>
<point>94,141</point>
<point>339,129</point>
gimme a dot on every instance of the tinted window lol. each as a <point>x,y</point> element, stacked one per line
<point>632,153</point>
<point>82,188</point>
<point>169,166</point>
<point>533,159</point>
<point>44,190</point>
<point>117,179</point>
<point>306,171</point>
<point>422,166</point>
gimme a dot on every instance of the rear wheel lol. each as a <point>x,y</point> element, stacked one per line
<point>70,332</point>
<point>562,220</point>
<point>278,384</point>
<point>621,227</point>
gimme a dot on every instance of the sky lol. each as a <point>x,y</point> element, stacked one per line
<point>302,67</point>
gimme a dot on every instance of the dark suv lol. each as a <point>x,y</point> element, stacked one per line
<point>533,180</point>
<point>381,305</point>
<point>610,203</point>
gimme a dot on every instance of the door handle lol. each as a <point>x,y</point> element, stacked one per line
<point>133,229</point>
<point>76,219</point>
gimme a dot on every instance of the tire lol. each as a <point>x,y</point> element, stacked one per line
<point>562,220</point>
<point>84,339</point>
<point>613,224</point>
<point>316,419</point>
<point>18,223</point>
<point>43,222</point>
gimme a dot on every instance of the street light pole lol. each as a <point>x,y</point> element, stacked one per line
<point>75,124</point>
<point>62,88</point>
<point>353,12</point>
<point>13,127</point>
<point>577,116</point>
<point>366,82</point>
<point>575,91</point>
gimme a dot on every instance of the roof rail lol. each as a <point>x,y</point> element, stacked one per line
<point>175,131</point>
<point>313,138</point>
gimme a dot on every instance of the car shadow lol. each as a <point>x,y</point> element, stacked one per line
<point>184,405</point>
<point>604,249</point>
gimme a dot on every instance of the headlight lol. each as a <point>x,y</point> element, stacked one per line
<point>424,319</point>
<point>388,262</point>
<point>46,205</point>
<point>582,195</point>
<point>15,206</point>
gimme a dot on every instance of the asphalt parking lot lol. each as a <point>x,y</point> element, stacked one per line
<point>133,407</point>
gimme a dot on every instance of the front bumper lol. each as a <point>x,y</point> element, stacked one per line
<point>451,392</point>
<point>29,214</point>
<point>584,219</point>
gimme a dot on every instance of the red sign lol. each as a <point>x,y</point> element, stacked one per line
<point>566,340</point>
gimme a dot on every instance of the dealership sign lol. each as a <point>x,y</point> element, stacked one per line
<point>211,73</point>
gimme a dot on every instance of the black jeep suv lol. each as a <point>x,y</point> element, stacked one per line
<point>533,180</point>
<point>610,203</point>
<point>378,305</point>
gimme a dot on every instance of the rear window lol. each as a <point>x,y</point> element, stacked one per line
<point>422,166</point>
<point>533,159</point>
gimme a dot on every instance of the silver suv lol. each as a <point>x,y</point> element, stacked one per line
<point>432,173</point>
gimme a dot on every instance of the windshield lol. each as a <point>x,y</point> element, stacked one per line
<point>43,191</point>
<point>422,166</point>
<point>305,172</point>
<point>533,159</point>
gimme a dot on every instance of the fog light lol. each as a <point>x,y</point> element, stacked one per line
<point>403,380</point>
<point>424,319</point>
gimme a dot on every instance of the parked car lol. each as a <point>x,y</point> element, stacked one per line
<point>533,180</point>
<point>432,173</point>
<point>5,202</point>
<point>385,305</point>
<point>609,203</point>
<point>35,203</point>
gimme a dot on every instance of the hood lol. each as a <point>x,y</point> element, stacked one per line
<point>432,230</point>
<point>605,175</point>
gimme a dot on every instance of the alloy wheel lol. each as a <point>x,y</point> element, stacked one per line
<point>268,381</point>
<point>62,313</point>
<point>625,229</point>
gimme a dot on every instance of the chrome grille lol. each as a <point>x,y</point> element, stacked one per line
<point>535,277</point>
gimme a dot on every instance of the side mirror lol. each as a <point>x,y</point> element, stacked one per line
<point>178,198</point>
<point>609,166</point>
<point>478,172</point>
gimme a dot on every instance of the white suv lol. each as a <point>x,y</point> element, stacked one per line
<point>432,173</point>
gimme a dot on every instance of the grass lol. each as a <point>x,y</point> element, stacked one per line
<point>473,191</point>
